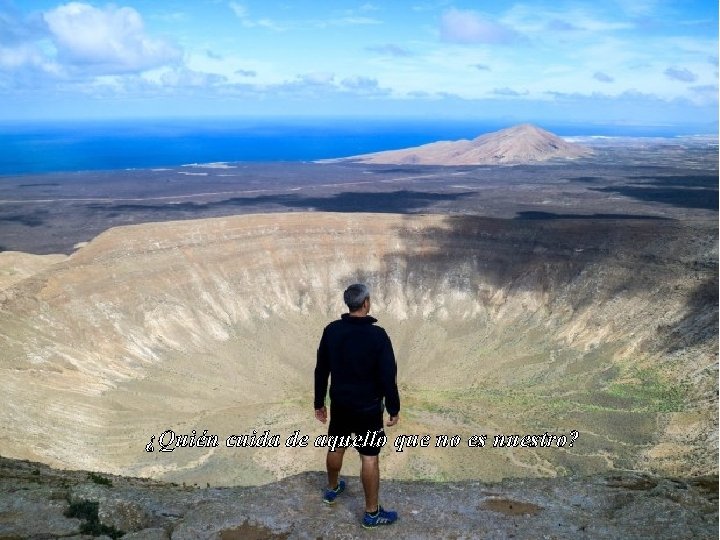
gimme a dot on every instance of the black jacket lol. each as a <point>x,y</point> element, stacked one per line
<point>358,356</point>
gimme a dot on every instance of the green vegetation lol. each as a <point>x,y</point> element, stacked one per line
<point>639,390</point>
<point>100,479</point>
<point>648,391</point>
<point>88,512</point>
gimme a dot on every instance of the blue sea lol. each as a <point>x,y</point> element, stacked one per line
<point>29,148</point>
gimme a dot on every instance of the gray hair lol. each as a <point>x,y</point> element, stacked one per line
<point>355,295</point>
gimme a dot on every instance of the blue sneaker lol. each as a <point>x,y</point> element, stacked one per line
<point>381,517</point>
<point>331,494</point>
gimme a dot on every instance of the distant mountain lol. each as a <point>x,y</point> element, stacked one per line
<point>524,143</point>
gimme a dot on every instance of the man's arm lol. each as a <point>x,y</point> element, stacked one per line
<point>388,374</point>
<point>322,372</point>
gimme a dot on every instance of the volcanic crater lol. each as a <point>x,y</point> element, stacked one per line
<point>500,326</point>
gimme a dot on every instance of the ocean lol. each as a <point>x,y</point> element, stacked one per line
<point>31,148</point>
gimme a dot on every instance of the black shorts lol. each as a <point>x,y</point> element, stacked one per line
<point>346,422</point>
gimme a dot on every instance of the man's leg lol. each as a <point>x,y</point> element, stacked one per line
<point>334,463</point>
<point>370,475</point>
<point>375,514</point>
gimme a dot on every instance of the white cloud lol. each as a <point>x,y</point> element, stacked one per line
<point>705,93</point>
<point>560,25</point>
<point>337,18</point>
<point>467,26</point>
<point>637,8</point>
<point>323,85</point>
<point>614,64</point>
<point>568,49</point>
<point>389,49</point>
<point>23,55</point>
<point>264,23</point>
<point>578,20</point>
<point>239,10</point>
<point>509,92</point>
<point>236,69</point>
<point>183,77</point>
<point>107,40</point>
<point>348,20</point>
<point>364,85</point>
<point>603,77</point>
<point>680,74</point>
<point>357,20</point>
<point>20,49</point>
<point>431,6</point>
<point>316,78</point>
<point>27,61</point>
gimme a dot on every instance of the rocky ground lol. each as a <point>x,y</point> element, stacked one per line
<point>38,502</point>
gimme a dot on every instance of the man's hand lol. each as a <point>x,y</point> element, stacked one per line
<point>393,420</point>
<point>321,414</point>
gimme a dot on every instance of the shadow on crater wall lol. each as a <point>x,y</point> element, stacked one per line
<point>507,250</point>
<point>700,323</point>
<point>584,261</point>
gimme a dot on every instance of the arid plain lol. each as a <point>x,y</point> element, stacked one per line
<point>568,295</point>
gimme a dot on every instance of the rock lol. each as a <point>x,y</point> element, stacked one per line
<point>155,533</point>
<point>123,515</point>
<point>620,504</point>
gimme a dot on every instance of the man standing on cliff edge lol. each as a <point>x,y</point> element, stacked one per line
<point>358,357</point>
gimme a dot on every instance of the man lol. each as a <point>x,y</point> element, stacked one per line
<point>358,357</point>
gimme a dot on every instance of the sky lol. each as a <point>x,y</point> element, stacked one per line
<point>624,62</point>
